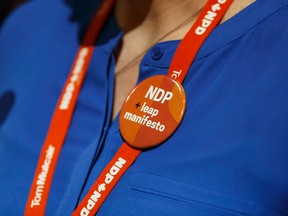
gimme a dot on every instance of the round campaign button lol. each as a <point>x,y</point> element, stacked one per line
<point>152,111</point>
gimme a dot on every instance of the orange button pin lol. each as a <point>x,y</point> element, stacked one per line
<point>152,111</point>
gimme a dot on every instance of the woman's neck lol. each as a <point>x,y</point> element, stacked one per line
<point>149,20</point>
<point>154,15</point>
<point>161,14</point>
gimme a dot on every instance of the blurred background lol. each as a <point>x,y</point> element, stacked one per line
<point>6,6</point>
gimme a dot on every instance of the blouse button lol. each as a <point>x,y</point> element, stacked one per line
<point>157,53</point>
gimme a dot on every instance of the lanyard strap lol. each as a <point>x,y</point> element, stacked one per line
<point>187,50</point>
<point>62,116</point>
<point>208,19</point>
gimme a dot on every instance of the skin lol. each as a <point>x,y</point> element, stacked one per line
<point>143,23</point>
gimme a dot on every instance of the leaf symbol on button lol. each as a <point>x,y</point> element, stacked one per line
<point>137,105</point>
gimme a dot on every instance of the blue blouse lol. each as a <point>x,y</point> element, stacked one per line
<point>228,157</point>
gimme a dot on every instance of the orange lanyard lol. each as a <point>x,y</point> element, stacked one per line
<point>208,19</point>
<point>62,116</point>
